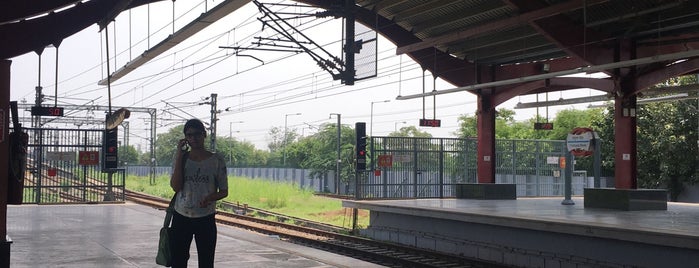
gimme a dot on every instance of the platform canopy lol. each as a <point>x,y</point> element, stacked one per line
<point>475,41</point>
<point>460,41</point>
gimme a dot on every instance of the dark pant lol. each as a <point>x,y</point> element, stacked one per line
<point>204,232</point>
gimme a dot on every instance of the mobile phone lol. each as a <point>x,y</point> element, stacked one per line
<point>185,147</point>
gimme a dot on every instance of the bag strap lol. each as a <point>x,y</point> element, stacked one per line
<point>170,207</point>
<point>168,212</point>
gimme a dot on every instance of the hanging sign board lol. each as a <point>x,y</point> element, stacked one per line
<point>47,111</point>
<point>430,123</point>
<point>543,126</point>
<point>579,141</point>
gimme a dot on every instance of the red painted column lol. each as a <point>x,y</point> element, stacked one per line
<point>486,139</point>
<point>4,160</point>
<point>625,157</point>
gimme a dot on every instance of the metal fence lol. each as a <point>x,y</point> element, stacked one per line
<point>430,167</point>
<point>55,174</point>
<point>405,167</point>
<point>300,177</point>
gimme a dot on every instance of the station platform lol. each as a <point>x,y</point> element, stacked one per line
<point>540,232</point>
<point>126,235</point>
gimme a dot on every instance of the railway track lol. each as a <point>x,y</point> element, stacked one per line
<point>387,254</point>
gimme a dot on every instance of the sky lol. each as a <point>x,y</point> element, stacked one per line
<point>256,90</point>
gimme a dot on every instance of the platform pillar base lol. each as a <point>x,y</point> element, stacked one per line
<point>485,191</point>
<point>5,252</point>
<point>626,199</point>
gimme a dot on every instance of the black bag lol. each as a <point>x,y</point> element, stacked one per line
<point>164,256</point>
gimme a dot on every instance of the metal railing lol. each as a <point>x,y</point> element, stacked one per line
<point>408,167</point>
<point>430,167</point>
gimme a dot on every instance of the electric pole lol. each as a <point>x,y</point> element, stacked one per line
<point>213,121</point>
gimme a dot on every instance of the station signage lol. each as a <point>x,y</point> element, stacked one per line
<point>47,111</point>
<point>386,161</point>
<point>430,123</point>
<point>543,126</point>
<point>579,141</point>
<point>88,158</point>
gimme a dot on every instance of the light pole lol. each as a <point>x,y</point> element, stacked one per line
<point>371,118</point>
<point>230,140</point>
<point>284,141</point>
<point>337,163</point>
<point>395,126</point>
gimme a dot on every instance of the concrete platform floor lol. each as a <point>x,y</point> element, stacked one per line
<point>540,232</point>
<point>126,235</point>
<point>676,226</point>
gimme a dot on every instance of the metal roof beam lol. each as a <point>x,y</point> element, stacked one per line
<point>204,20</point>
<point>679,92</point>
<point>585,69</point>
<point>524,18</point>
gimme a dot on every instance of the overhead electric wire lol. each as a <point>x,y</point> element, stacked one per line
<point>266,104</point>
<point>238,73</point>
<point>249,21</point>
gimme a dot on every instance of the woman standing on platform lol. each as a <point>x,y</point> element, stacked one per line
<point>198,184</point>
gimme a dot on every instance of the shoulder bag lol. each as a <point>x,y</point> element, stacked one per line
<point>164,256</point>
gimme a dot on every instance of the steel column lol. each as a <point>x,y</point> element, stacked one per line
<point>486,139</point>
<point>625,152</point>
<point>4,158</point>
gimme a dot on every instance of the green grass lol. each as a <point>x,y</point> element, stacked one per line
<point>284,198</point>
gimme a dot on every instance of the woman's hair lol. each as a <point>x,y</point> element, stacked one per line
<point>194,124</point>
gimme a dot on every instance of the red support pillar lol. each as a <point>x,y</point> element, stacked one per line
<point>486,139</point>
<point>4,158</point>
<point>625,157</point>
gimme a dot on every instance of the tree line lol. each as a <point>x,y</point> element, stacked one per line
<point>668,148</point>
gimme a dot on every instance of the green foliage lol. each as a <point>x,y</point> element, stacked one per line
<point>410,131</point>
<point>166,144</point>
<point>666,142</point>
<point>319,151</point>
<point>507,128</point>
<point>284,198</point>
<point>236,152</point>
<point>128,155</point>
<point>667,135</point>
<point>262,193</point>
<point>161,187</point>
<point>667,138</point>
<point>240,153</point>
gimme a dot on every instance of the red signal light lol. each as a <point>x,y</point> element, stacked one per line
<point>361,152</point>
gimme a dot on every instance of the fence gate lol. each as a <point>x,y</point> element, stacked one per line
<point>63,166</point>
<point>402,167</point>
